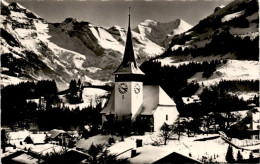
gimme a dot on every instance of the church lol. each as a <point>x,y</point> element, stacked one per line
<point>131,98</point>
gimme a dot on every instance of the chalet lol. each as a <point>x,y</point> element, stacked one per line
<point>131,98</point>
<point>254,125</point>
<point>59,135</point>
<point>248,126</point>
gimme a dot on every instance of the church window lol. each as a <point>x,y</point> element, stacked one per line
<point>166,117</point>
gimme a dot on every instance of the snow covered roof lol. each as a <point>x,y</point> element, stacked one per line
<point>37,138</point>
<point>153,96</point>
<point>33,100</point>
<point>55,133</point>
<point>25,158</point>
<point>110,107</point>
<point>147,153</point>
<point>190,100</point>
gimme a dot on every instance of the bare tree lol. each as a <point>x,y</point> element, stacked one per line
<point>165,133</point>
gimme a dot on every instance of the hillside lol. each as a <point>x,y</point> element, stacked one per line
<point>162,33</point>
<point>33,49</point>
<point>230,32</point>
<point>28,54</point>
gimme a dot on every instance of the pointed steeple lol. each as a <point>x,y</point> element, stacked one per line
<point>128,65</point>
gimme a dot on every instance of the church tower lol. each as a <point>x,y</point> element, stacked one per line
<point>128,82</point>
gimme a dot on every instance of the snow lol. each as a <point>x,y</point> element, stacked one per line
<point>148,153</point>
<point>247,95</point>
<point>106,40</point>
<point>93,69</point>
<point>190,100</point>
<point>232,70</point>
<point>18,16</point>
<point>221,6</point>
<point>42,30</point>
<point>25,158</point>
<point>8,80</point>
<point>184,26</point>
<point>171,61</point>
<point>17,136</point>
<point>232,16</point>
<point>4,3</point>
<point>252,31</point>
<point>90,96</point>
<point>95,82</point>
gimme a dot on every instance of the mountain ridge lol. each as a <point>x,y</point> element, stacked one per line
<point>34,49</point>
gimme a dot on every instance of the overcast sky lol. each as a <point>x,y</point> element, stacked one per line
<point>115,12</point>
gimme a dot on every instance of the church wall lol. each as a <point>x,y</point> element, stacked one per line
<point>137,97</point>
<point>160,115</point>
<point>129,102</point>
<point>123,101</point>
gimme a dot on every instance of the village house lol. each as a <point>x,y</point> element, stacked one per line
<point>191,100</point>
<point>59,135</point>
<point>131,98</point>
<point>254,125</point>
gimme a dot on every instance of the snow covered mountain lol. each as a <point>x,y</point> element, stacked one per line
<point>102,46</point>
<point>162,33</point>
<point>237,19</point>
<point>230,32</point>
<point>27,53</point>
<point>33,49</point>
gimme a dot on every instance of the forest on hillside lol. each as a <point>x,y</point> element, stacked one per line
<point>220,44</point>
<point>17,111</point>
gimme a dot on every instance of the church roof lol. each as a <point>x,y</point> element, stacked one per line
<point>129,65</point>
<point>153,96</point>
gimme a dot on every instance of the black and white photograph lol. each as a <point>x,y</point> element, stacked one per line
<point>129,81</point>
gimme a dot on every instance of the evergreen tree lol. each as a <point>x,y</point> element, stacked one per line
<point>4,139</point>
<point>251,157</point>
<point>229,155</point>
<point>239,157</point>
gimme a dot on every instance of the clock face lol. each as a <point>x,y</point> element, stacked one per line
<point>122,88</point>
<point>137,88</point>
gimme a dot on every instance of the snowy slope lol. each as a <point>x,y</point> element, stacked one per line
<point>162,33</point>
<point>239,18</point>
<point>28,54</point>
<point>90,96</point>
<point>232,70</point>
<point>33,49</point>
<point>103,46</point>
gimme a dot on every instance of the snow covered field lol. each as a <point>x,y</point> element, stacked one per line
<point>91,97</point>
<point>232,70</point>
<point>215,148</point>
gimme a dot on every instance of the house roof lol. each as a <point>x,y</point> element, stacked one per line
<point>147,153</point>
<point>25,158</point>
<point>190,100</point>
<point>55,133</point>
<point>109,108</point>
<point>153,96</point>
<point>37,138</point>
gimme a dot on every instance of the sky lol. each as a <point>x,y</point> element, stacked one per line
<point>115,12</point>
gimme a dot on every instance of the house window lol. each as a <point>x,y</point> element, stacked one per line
<point>123,97</point>
<point>166,117</point>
